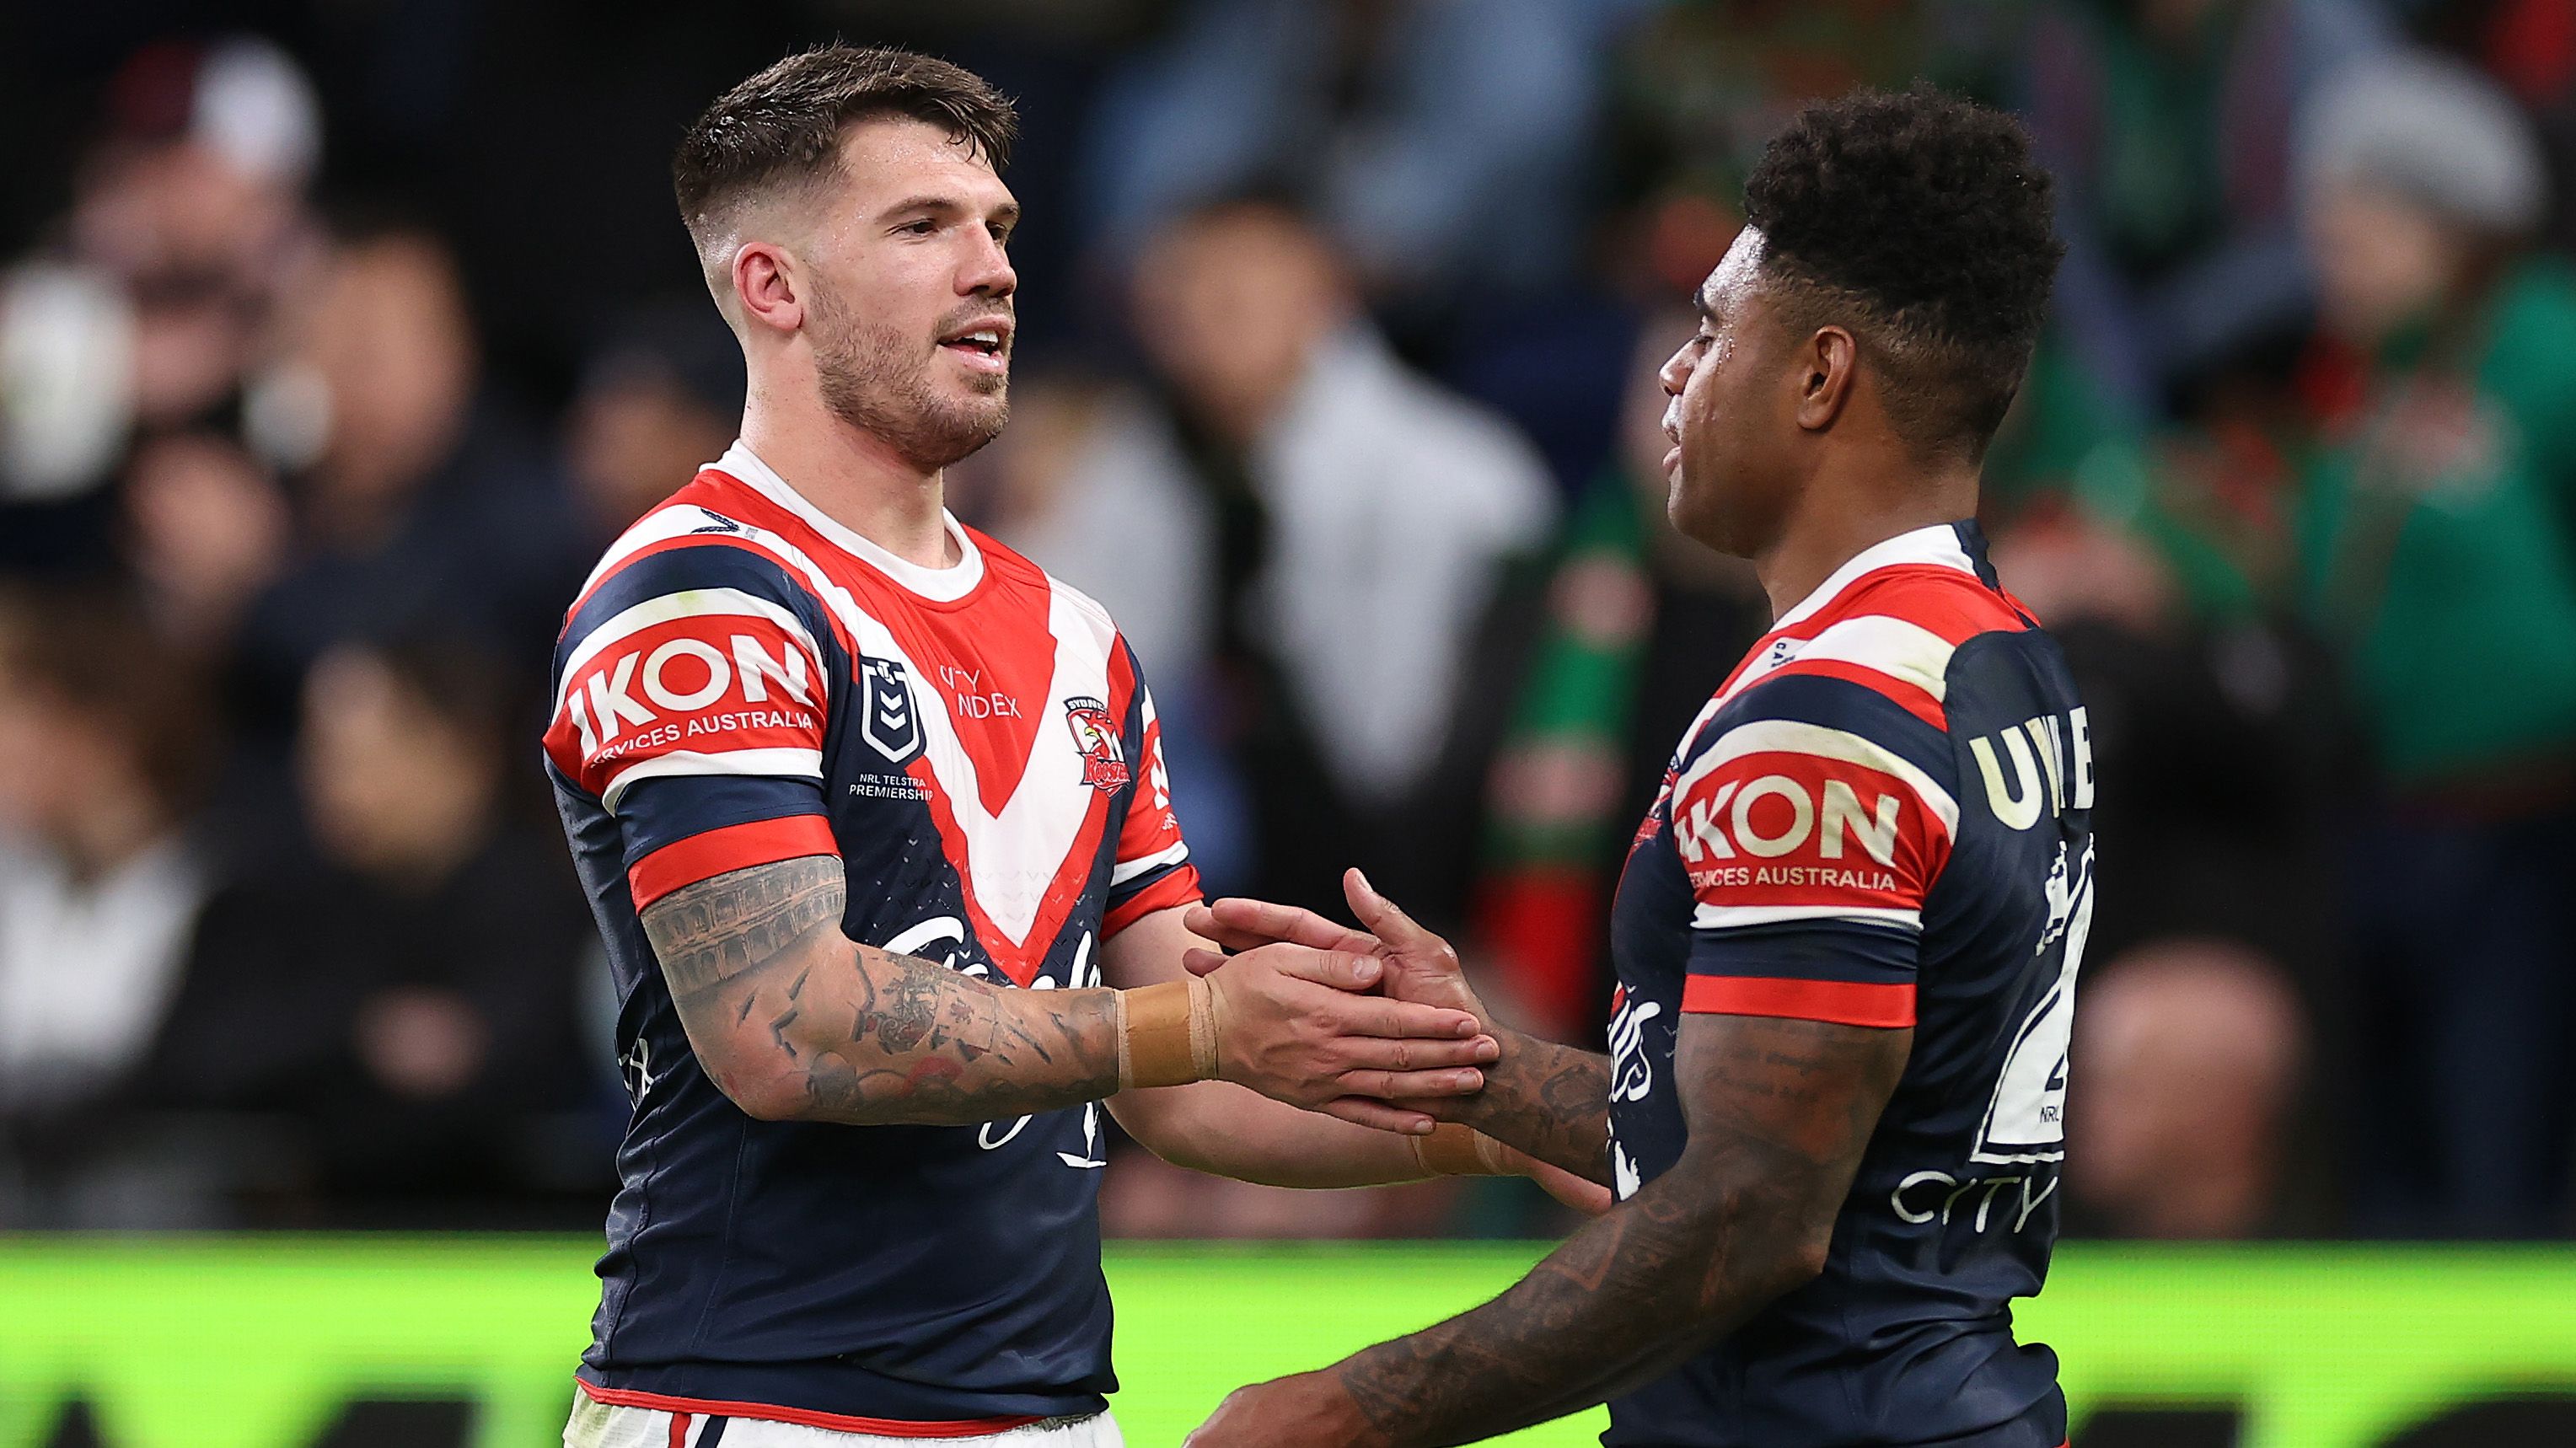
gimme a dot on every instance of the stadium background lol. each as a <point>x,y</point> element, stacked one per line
<point>337,335</point>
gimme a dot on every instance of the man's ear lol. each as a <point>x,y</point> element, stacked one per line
<point>1829,368</point>
<point>768,287</point>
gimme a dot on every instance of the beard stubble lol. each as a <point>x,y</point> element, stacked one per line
<point>880,383</point>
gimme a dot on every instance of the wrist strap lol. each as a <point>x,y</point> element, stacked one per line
<point>1167,1034</point>
<point>1455,1150</point>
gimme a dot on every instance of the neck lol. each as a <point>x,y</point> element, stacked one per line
<point>855,478</point>
<point>1844,512</point>
<point>110,833</point>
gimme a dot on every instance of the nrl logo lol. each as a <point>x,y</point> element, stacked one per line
<point>887,719</point>
<point>1104,764</point>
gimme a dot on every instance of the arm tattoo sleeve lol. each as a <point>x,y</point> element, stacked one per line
<point>1549,1100</point>
<point>1779,1114</point>
<point>796,1022</point>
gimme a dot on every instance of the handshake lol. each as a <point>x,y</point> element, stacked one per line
<point>1376,1026</point>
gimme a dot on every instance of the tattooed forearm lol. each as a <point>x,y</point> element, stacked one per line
<point>1549,1100</point>
<point>794,1021</point>
<point>1779,1114</point>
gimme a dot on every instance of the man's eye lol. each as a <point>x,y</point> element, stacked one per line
<point>922,227</point>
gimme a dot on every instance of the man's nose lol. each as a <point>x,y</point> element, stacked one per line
<point>988,272</point>
<point>1676,372</point>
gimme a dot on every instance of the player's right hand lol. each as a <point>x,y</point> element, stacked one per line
<point>1293,1024</point>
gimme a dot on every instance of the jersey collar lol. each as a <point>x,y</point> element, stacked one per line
<point>1943,545</point>
<point>939,585</point>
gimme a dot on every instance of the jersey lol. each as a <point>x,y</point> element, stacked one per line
<point>1883,818</point>
<point>743,681</point>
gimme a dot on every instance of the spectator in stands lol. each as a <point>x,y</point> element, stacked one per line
<point>2169,127</point>
<point>102,743</point>
<point>2439,556</point>
<point>206,529</point>
<point>409,1004</point>
<point>426,504</point>
<point>2188,1057</point>
<point>662,398</point>
<point>151,306</point>
<point>1366,528</point>
<point>1443,146</point>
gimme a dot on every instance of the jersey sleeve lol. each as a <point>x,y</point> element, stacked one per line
<point>1812,825</point>
<point>691,692</point>
<point>1151,870</point>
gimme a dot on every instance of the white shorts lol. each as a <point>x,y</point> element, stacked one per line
<point>601,1425</point>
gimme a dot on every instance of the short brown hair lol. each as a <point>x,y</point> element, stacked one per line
<point>783,126</point>
<point>88,648</point>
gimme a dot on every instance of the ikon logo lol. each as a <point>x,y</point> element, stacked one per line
<point>680,676</point>
<point>1721,822</point>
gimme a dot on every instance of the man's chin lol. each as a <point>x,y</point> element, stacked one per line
<point>967,429</point>
<point>1701,520</point>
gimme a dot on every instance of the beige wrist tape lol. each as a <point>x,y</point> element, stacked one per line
<point>1167,1034</point>
<point>1455,1150</point>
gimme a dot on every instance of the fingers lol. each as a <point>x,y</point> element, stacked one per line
<point>1376,1053</point>
<point>1339,969</point>
<point>1378,1016</point>
<point>1379,1114</point>
<point>1588,1197</point>
<point>1412,1085</point>
<point>1384,917</point>
<point>1246,924</point>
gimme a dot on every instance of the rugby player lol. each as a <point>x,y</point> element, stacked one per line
<point>873,816</point>
<point>1847,935</point>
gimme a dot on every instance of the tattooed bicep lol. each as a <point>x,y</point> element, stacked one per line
<point>1798,1091</point>
<point>707,933</point>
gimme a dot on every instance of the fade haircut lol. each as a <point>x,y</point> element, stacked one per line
<point>780,131</point>
<point>1921,222</point>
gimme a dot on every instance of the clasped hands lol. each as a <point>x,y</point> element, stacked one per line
<point>1433,1076</point>
<point>1405,1037</point>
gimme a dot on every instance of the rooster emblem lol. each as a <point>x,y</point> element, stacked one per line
<point>1104,763</point>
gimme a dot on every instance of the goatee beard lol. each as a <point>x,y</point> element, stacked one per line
<point>872,380</point>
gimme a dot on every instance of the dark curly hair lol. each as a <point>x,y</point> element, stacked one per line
<point>1921,222</point>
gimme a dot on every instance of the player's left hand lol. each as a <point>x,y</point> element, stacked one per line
<point>1310,1410</point>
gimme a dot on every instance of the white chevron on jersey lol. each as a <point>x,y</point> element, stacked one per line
<point>1011,857</point>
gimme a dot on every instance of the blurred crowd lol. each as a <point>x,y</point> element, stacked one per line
<point>336,341</point>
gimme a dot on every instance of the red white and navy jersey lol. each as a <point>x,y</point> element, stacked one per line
<point>1883,819</point>
<point>744,681</point>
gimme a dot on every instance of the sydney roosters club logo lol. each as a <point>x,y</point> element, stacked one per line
<point>1104,764</point>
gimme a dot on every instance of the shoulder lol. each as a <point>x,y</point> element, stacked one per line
<point>1864,686</point>
<point>688,560</point>
<point>1884,655</point>
<point>1012,569</point>
<point>2534,323</point>
<point>1808,730</point>
<point>1451,452</point>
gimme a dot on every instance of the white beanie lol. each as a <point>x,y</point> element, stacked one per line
<point>2431,130</point>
